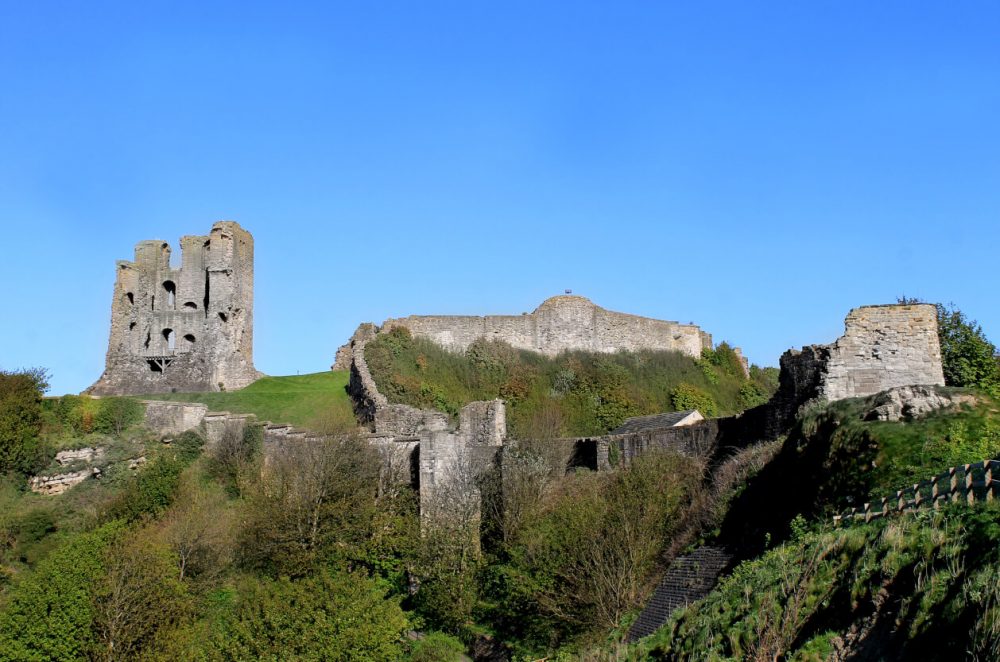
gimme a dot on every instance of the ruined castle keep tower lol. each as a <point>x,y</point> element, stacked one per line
<point>187,329</point>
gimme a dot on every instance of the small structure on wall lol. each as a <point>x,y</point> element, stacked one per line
<point>183,329</point>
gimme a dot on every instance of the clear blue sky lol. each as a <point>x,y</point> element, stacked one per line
<point>757,170</point>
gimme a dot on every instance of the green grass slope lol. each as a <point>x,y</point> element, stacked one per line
<point>304,400</point>
<point>903,588</point>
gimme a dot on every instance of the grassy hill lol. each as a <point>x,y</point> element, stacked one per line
<point>575,393</point>
<point>297,399</point>
<point>903,588</point>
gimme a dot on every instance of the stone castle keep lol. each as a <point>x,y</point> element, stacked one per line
<point>183,329</point>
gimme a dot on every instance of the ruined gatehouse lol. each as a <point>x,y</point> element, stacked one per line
<point>186,328</point>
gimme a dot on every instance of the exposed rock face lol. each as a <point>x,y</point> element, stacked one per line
<point>912,402</point>
<point>89,455</point>
<point>186,329</point>
<point>561,323</point>
<point>61,482</point>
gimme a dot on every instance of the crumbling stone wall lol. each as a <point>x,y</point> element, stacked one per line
<point>883,347</point>
<point>561,323</point>
<point>186,329</point>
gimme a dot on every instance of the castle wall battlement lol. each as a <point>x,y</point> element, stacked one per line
<point>183,329</point>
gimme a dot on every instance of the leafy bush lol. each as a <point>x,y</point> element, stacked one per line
<point>115,415</point>
<point>968,358</point>
<point>20,419</point>
<point>582,557</point>
<point>578,393</point>
<point>328,616</point>
<point>50,614</point>
<point>437,647</point>
<point>686,396</point>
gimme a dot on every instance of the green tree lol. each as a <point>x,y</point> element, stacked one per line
<point>50,614</point>
<point>969,359</point>
<point>20,418</point>
<point>115,415</point>
<point>688,396</point>
<point>324,617</point>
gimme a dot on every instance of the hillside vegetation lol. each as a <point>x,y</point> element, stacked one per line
<point>304,400</point>
<point>575,393</point>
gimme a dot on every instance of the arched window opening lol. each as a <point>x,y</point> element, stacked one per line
<point>168,335</point>
<point>171,291</point>
<point>189,337</point>
<point>131,325</point>
<point>191,305</point>
<point>130,297</point>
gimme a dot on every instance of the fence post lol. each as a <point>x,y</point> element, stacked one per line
<point>934,492</point>
<point>900,501</point>
<point>988,479</point>
<point>970,495</point>
<point>953,489</point>
<point>868,512</point>
<point>916,495</point>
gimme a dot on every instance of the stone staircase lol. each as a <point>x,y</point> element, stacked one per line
<point>689,578</point>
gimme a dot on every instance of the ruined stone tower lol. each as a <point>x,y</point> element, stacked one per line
<point>186,329</point>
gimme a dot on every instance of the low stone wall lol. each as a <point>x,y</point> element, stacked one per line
<point>167,418</point>
<point>374,409</point>
<point>173,417</point>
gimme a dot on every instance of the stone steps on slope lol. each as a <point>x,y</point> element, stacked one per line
<point>688,579</point>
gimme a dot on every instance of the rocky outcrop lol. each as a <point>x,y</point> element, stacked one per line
<point>912,402</point>
<point>59,483</point>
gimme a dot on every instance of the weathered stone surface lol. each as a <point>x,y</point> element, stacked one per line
<point>89,455</point>
<point>883,347</point>
<point>59,483</point>
<point>173,417</point>
<point>912,402</point>
<point>186,329</point>
<point>561,323</point>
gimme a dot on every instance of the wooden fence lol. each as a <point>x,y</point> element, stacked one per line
<point>967,483</point>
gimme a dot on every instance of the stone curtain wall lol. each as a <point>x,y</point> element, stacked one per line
<point>561,323</point>
<point>186,329</point>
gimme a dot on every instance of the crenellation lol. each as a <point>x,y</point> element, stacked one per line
<point>183,329</point>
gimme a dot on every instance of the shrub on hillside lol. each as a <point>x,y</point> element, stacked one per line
<point>20,419</point>
<point>115,415</point>
<point>686,397</point>
<point>328,616</point>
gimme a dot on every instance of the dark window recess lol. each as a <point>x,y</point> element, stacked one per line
<point>205,300</point>
<point>224,317</point>
<point>131,325</point>
<point>171,290</point>
<point>189,337</point>
<point>148,338</point>
<point>152,302</point>
<point>191,304</point>
<point>584,455</point>
<point>168,335</point>
<point>154,365</point>
<point>130,297</point>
